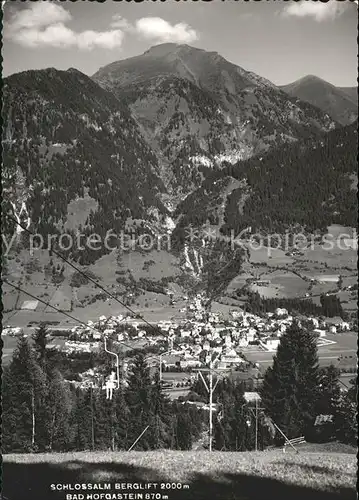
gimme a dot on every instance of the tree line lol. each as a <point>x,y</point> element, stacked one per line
<point>43,412</point>
<point>330,305</point>
<point>302,186</point>
<point>295,391</point>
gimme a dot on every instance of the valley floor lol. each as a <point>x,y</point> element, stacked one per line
<point>172,475</point>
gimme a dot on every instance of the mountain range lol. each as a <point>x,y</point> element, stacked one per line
<point>197,109</point>
<point>175,137</point>
<point>341,103</point>
<point>66,139</point>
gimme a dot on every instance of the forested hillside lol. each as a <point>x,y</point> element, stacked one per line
<point>198,109</point>
<point>66,138</point>
<point>311,184</point>
<point>340,103</point>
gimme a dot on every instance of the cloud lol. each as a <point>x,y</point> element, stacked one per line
<point>39,15</point>
<point>120,22</point>
<point>43,25</point>
<point>317,10</point>
<point>159,30</point>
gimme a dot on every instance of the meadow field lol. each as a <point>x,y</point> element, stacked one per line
<point>341,352</point>
<point>289,276</point>
<point>186,475</point>
<point>289,273</point>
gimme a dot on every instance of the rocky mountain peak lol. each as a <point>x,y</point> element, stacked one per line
<point>197,109</point>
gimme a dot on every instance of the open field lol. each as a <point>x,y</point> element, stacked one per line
<point>345,345</point>
<point>289,274</point>
<point>153,313</point>
<point>189,475</point>
<point>120,274</point>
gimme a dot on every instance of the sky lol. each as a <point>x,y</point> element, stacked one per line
<point>277,39</point>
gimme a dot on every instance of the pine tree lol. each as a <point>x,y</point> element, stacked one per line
<point>329,390</point>
<point>104,422</point>
<point>138,398</point>
<point>290,387</point>
<point>196,422</point>
<point>346,419</point>
<point>122,420</point>
<point>183,431</point>
<point>59,403</point>
<point>327,404</point>
<point>23,395</point>
<point>54,426</point>
<point>83,420</point>
<point>233,430</point>
<point>160,415</point>
<point>40,342</point>
<point>12,429</point>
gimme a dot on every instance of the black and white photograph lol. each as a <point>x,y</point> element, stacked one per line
<point>179,222</point>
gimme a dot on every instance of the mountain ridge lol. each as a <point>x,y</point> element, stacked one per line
<point>170,152</point>
<point>66,137</point>
<point>339,102</point>
<point>206,108</point>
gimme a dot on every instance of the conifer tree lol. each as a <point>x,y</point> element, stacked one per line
<point>138,398</point>
<point>329,390</point>
<point>104,421</point>
<point>183,431</point>
<point>54,426</point>
<point>40,342</point>
<point>196,422</point>
<point>233,430</point>
<point>290,387</point>
<point>83,420</point>
<point>122,420</point>
<point>346,419</point>
<point>59,403</point>
<point>160,415</point>
<point>327,405</point>
<point>23,395</point>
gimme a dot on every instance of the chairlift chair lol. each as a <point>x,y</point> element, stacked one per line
<point>114,380</point>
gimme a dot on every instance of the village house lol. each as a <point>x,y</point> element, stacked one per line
<point>319,332</point>
<point>228,340</point>
<point>242,342</point>
<point>171,361</point>
<point>189,361</point>
<point>281,312</point>
<point>206,346</point>
<point>314,322</point>
<point>229,359</point>
<point>270,343</point>
<point>12,331</point>
<point>218,349</point>
<point>344,326</point>
<point>251,334</point>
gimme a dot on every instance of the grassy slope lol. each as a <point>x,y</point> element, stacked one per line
<point>222,476</point>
